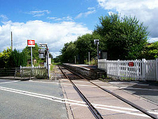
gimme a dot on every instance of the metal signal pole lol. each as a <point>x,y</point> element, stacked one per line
<point>47,55</point>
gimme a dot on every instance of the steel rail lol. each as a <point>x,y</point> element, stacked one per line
<point>94,111</point>
<point>119,97</point>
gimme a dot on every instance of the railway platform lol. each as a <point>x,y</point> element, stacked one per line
<point>88,71</point>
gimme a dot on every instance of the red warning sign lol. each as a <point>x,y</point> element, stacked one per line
<point>131,64</point>
<point>31,43</point>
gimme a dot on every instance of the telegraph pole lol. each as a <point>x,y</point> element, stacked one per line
<point>11,41</point>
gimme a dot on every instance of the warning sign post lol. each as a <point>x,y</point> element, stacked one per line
<point>31,43</point>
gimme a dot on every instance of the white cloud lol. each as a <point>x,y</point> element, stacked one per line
<point>3,17</point>
<point>55,54</point>
<point>145,10</point>
<point>68,18</point>
<point>55,34</point>
<point>91,10</point>
<point>79,15</point>
<point>39,13</point>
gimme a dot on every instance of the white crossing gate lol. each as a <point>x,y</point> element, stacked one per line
<point>130,69</point>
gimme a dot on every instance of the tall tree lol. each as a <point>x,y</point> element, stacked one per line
<point>125,37</point>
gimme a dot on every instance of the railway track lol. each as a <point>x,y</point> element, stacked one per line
<point>69,74</point>
<point>91,107</point>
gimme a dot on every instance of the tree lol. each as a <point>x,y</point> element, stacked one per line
<point>80,48</point>
<point>14,59</point>
<point>85,44</point>
<point>23,58</point>
<point>71,52</point>
<point>17,59</point>
<point>125,37</point>
<point>27,52</point>
<point>121,37</point>
<point>5,56</point>
<point>9,58</point>
<point>68,52</point>
<point>57,59</point>
<point>150,51</point>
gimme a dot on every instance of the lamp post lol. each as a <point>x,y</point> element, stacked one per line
<point>89,57</point>
<point>75,59</point>
<point>96,42</point>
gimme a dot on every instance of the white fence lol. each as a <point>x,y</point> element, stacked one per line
<point>130,69</point>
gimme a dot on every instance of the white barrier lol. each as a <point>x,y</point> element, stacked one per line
<point>130,69</point>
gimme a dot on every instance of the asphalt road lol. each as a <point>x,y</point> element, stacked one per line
<point>147,90</point>
<point>31,100</point>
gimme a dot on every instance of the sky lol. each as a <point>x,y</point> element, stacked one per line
<point>57,22</point>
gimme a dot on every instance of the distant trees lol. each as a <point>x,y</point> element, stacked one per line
<point>4,57</point>
<point>150,51</point>
<point>85,44</point>
<point>122,38</point>
<point>79,49</point>
<point>9,58</point>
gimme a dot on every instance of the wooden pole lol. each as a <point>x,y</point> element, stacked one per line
<point>11,41</point>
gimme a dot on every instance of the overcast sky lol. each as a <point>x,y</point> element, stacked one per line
<point>57,22</point>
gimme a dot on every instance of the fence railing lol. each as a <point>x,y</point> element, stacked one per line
<point>39,72</point>
<point>8,71</point>
<point>130,69</point>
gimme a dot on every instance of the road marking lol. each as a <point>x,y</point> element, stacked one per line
<point>94,86</point>
<point>62,83</point>
<point>122,108</point>
<point>153,112</point>
<point>124,112</point>
<point>43,82</point>
<point>37,95</point>
<point>8,82</point>
<point>74,102</point>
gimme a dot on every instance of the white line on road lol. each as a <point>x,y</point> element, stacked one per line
<point>8,82</point>
<point>74,102</point>
<point>62,83</point>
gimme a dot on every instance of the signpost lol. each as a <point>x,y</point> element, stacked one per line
<point>31,43</point>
